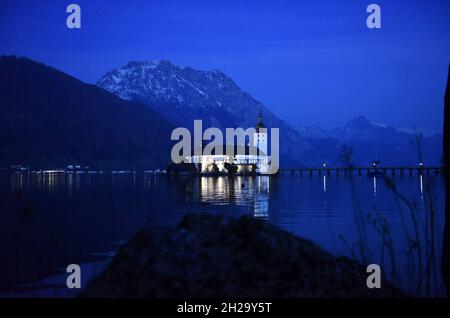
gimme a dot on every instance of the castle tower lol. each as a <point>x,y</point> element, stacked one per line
<point>260,137</point>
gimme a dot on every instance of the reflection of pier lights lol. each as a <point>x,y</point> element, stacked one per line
<point>324,183</point>
<point>374,186</point>
<point>421,183</point>
<point>421,179</point>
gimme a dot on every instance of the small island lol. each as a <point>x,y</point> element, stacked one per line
<point>239,159</point>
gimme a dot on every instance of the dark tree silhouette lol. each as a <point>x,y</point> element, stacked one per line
<point>212,168</point>
<point>231,168</point>
<point>446,239</point>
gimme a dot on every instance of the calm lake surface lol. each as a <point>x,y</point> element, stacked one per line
<point>51,220</point>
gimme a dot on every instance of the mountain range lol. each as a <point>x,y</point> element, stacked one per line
<point>374,141</point>
<point>362,128</point>
<point>182,94</point>
<point>49,118</point>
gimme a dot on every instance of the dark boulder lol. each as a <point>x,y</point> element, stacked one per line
<point>215,256</point>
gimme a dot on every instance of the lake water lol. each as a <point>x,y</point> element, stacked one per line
<point>51,220</point>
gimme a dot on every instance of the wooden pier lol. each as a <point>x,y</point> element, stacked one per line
<point>344,171</point>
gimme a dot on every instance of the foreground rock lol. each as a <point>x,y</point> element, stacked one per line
<point>214,256</point>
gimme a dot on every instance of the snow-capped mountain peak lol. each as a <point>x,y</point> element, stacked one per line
<point>361,122</point>
<point>163,81</point>
<point>183,94</point>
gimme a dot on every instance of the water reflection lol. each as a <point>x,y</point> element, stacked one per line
<point>48,182</point>
<point>69,185</point>
<point>250,191</point>
<point>261,200</point>
<point>78,214</point>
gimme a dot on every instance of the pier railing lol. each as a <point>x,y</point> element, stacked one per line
<point>421,170</point>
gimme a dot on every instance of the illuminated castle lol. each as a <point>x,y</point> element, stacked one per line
<point>245,158</point>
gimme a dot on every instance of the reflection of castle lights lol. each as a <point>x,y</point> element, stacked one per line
<point>220,184</point>
<point>263,184</point>
<point>204,183</point>
<point>261,198</point>
<point>261,208</point>
<point>249,191</point>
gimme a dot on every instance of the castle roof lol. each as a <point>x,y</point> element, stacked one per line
<point>260,124</point>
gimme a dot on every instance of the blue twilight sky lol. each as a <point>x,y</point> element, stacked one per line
<point>310,62</point>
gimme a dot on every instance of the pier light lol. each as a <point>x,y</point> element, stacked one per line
<point>324,165</point>
<point>421,164</point>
